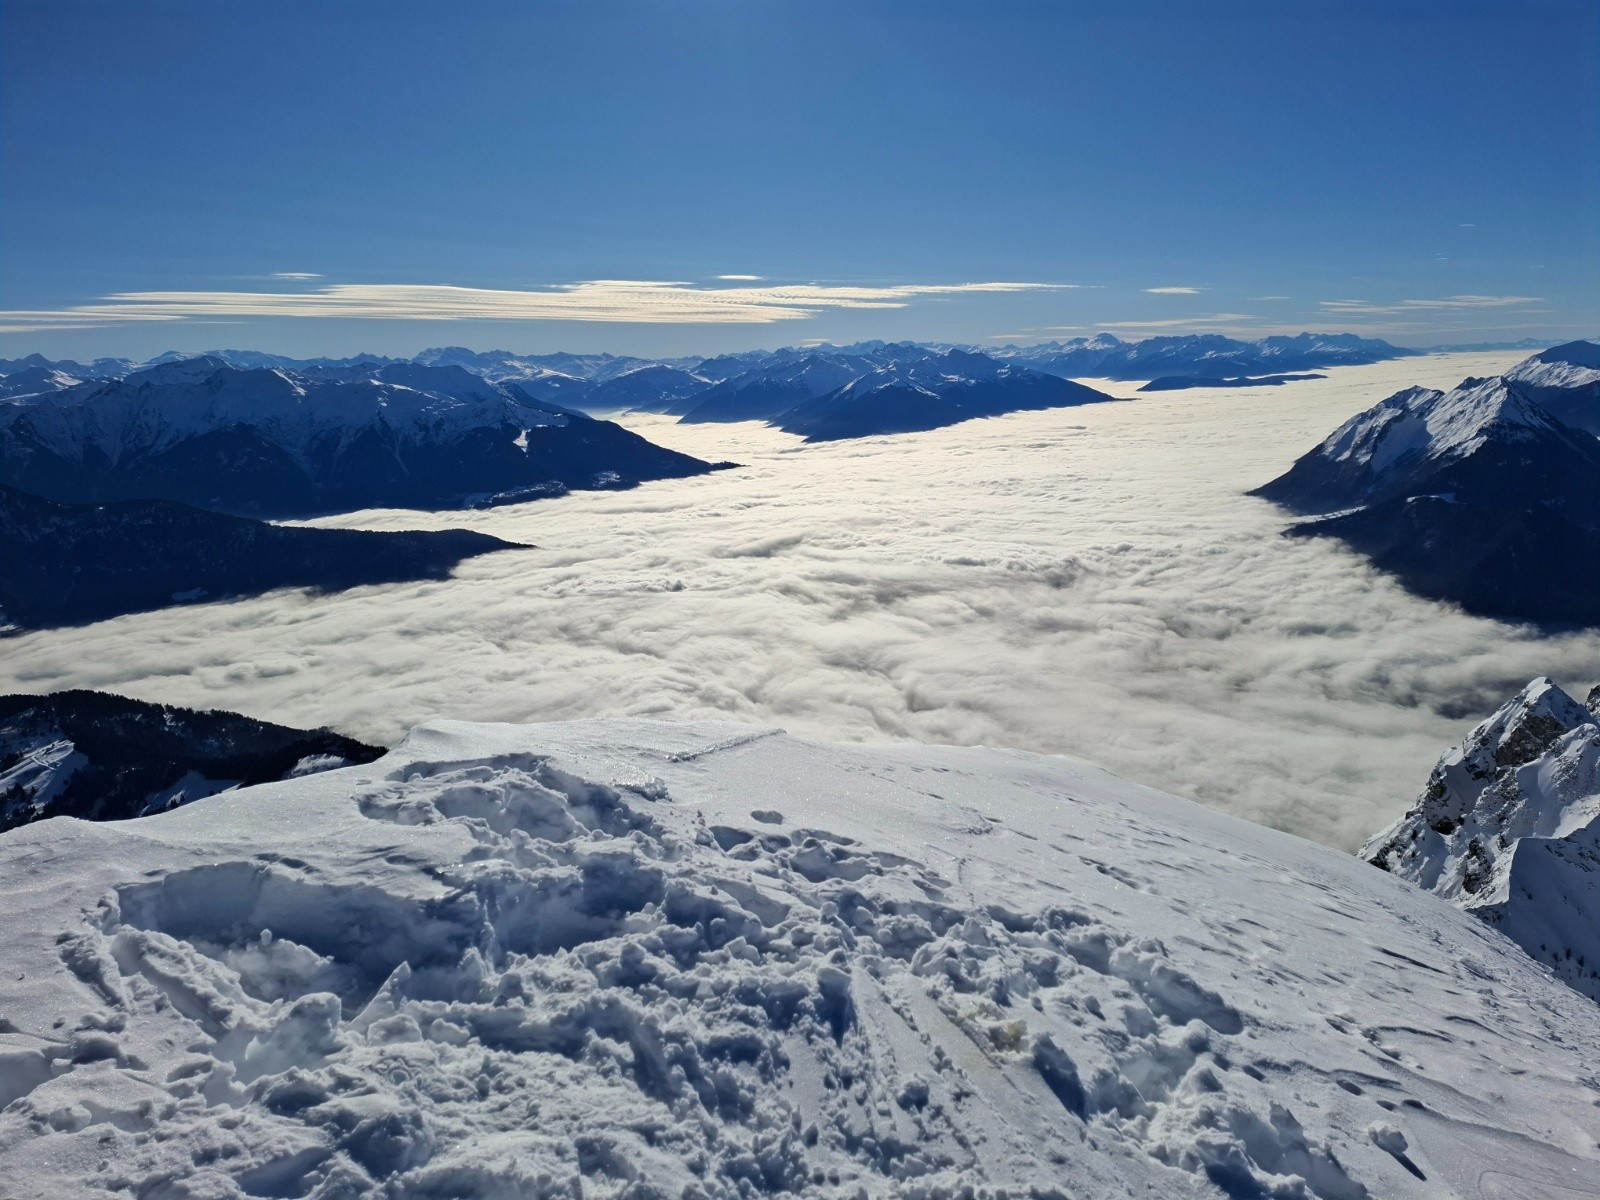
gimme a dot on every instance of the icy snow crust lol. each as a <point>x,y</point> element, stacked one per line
<point>637,959</point>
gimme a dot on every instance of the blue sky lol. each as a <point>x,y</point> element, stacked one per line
<point>465,172</point>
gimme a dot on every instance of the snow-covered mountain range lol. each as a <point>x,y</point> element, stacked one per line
<point>1105,356</point>
<point>1509,828</point>
<point>761,384</point>
<point>625,958</point>
<point>1178,383</point>
<point>101,757</point>
<point>268,441</point>
<point>926,393</point>
<point>1482,495</point>
<point>878,388</point>
<point>70,564</point>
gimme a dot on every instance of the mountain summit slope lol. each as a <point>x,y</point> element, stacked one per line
<point>1485,435</point>
<point>1480,495</point>
<point>1509,828</point>
<point>1566,380</point>
<point>637,959</point>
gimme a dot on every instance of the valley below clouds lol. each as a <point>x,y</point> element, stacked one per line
<point>1089,581</point>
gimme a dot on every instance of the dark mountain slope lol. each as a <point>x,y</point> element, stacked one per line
<point>102,757</point>
<point>71,564</point>
<point>1478,495</point>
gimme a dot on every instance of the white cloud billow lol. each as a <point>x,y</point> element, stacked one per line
<point>1173,291</point>
<point>611,300</point>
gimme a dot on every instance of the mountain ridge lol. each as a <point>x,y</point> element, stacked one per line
<point>1481,495</point>
<point>102,757</point>
<point>265,441</point>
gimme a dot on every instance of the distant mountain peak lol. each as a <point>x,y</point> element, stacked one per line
<point>1400,443</point>
<point>1578,354</point>
<point>267,440</point>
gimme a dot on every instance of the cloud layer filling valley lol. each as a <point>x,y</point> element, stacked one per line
<point>1086,581</point>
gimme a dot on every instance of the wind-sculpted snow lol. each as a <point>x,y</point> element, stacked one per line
<point>632,959</point>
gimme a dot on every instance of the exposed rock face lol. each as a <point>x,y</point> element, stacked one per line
<point>1508,827</point>
<point>101,757</point>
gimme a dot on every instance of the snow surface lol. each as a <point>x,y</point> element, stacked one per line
<point>45,763</point>
<point>1509,827</point>
<point>638,959</point>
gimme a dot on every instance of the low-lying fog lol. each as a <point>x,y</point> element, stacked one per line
<point>1087,581</point>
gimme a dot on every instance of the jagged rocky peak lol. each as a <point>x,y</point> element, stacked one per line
<point>1508,827</point>
<point>1523,728</point>
<point>1452,839</point>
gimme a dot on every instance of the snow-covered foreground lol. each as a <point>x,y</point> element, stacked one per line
<point>627,958</point>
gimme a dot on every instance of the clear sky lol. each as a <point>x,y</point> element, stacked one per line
<point>330,177</point>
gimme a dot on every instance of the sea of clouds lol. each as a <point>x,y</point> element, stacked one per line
<point>1086,581</point>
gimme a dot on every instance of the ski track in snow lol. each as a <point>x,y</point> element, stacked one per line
<point>638,959</point>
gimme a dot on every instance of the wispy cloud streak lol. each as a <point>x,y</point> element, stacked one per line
<point>1443,304</point>
<point>631,301</point>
